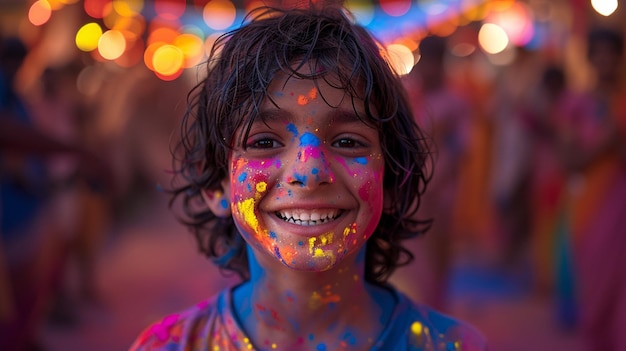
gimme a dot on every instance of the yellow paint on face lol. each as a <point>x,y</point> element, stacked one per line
<point>312,244</point>
<point>319,253</point>
<point>324,239</point>
<point>261,187</point>
<point>346,231</point>
<point>246,209</point>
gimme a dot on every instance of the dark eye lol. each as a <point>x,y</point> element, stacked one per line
<point>346,143</point>
<point>265,143</point>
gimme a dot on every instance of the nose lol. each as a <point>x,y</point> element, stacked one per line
<point>310,167</point>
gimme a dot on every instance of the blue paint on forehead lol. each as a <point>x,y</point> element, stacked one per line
<point>292,128</point>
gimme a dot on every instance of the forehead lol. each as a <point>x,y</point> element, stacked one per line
<point>309,85</point>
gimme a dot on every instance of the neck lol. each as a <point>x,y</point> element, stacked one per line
<point>297,310</point>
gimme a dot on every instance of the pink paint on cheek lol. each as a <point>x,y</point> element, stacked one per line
<point>260,164</point>
<point>364,192</point>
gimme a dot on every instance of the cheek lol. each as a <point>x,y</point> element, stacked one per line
<point>366,175</point>
<point>250,178</point>
<point>249,181</point>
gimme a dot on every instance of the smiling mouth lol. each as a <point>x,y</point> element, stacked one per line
<point>308,218</point>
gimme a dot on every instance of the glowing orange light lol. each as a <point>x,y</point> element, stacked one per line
<point>148,54</point>
<point>56,4</point>
<point>128,8</point>
<point>131,27</point>
<point>39,12</point>
<point>163,34</point>
<point>170,77</point>
<point>191,47</point>
<point>219,14</point>
<point>96,8</point>
<point>168,59</point>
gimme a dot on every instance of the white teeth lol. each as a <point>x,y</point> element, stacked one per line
<point>308,218</point>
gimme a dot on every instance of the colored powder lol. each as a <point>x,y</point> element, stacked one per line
<point>224,203</point>
<point>246,208</point>
<point>361,160</point>
<point>292,128</point>
<point>242,177</point>
<point>308,139</point>
<point>261,187</point>
<point>321,347</point>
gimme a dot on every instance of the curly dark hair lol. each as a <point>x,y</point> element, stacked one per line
<point>240,67</point>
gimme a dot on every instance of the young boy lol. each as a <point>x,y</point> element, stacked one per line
<point>301,143</point>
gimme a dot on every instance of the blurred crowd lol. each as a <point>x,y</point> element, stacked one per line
<point>530,174</point>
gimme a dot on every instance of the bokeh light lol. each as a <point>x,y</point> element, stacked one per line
<point>395,8</point>
<point>192,48</point>
<point>219,14</point>
<point>88,36</point>
<point>111,44</point>
<point>131,27</point>
<point>604,7</point>
<point>168,60</point>
<point>400,58</point>
<point>39,12</point>
<point>163,34</point>
<point>128,8</point>
<point>170,9</point>
<point>97,8</point>
<point>517,22</point>
<point>492,38</point>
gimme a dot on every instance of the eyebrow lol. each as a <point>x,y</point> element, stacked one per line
<point>343,115</point>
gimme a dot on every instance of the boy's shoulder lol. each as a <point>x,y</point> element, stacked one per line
<point>192,329</point>
<point>423,328</point>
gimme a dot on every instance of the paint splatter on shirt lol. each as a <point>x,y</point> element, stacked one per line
<point>211,326</point>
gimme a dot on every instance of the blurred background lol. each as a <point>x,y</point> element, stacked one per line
<point>524,100</point>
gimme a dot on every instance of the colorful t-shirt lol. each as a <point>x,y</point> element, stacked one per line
<point>211,326</point>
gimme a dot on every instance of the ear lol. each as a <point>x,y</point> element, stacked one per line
<point>218,201</point>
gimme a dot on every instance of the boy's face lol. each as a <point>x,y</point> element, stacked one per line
<point>308,189</point>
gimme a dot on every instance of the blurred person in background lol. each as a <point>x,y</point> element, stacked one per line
<point>510,157</point>
<point>28,249</point>
<point>548,108</point>
<point>445,115</point>
<point>34,241</point>
<point>592,143</point>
